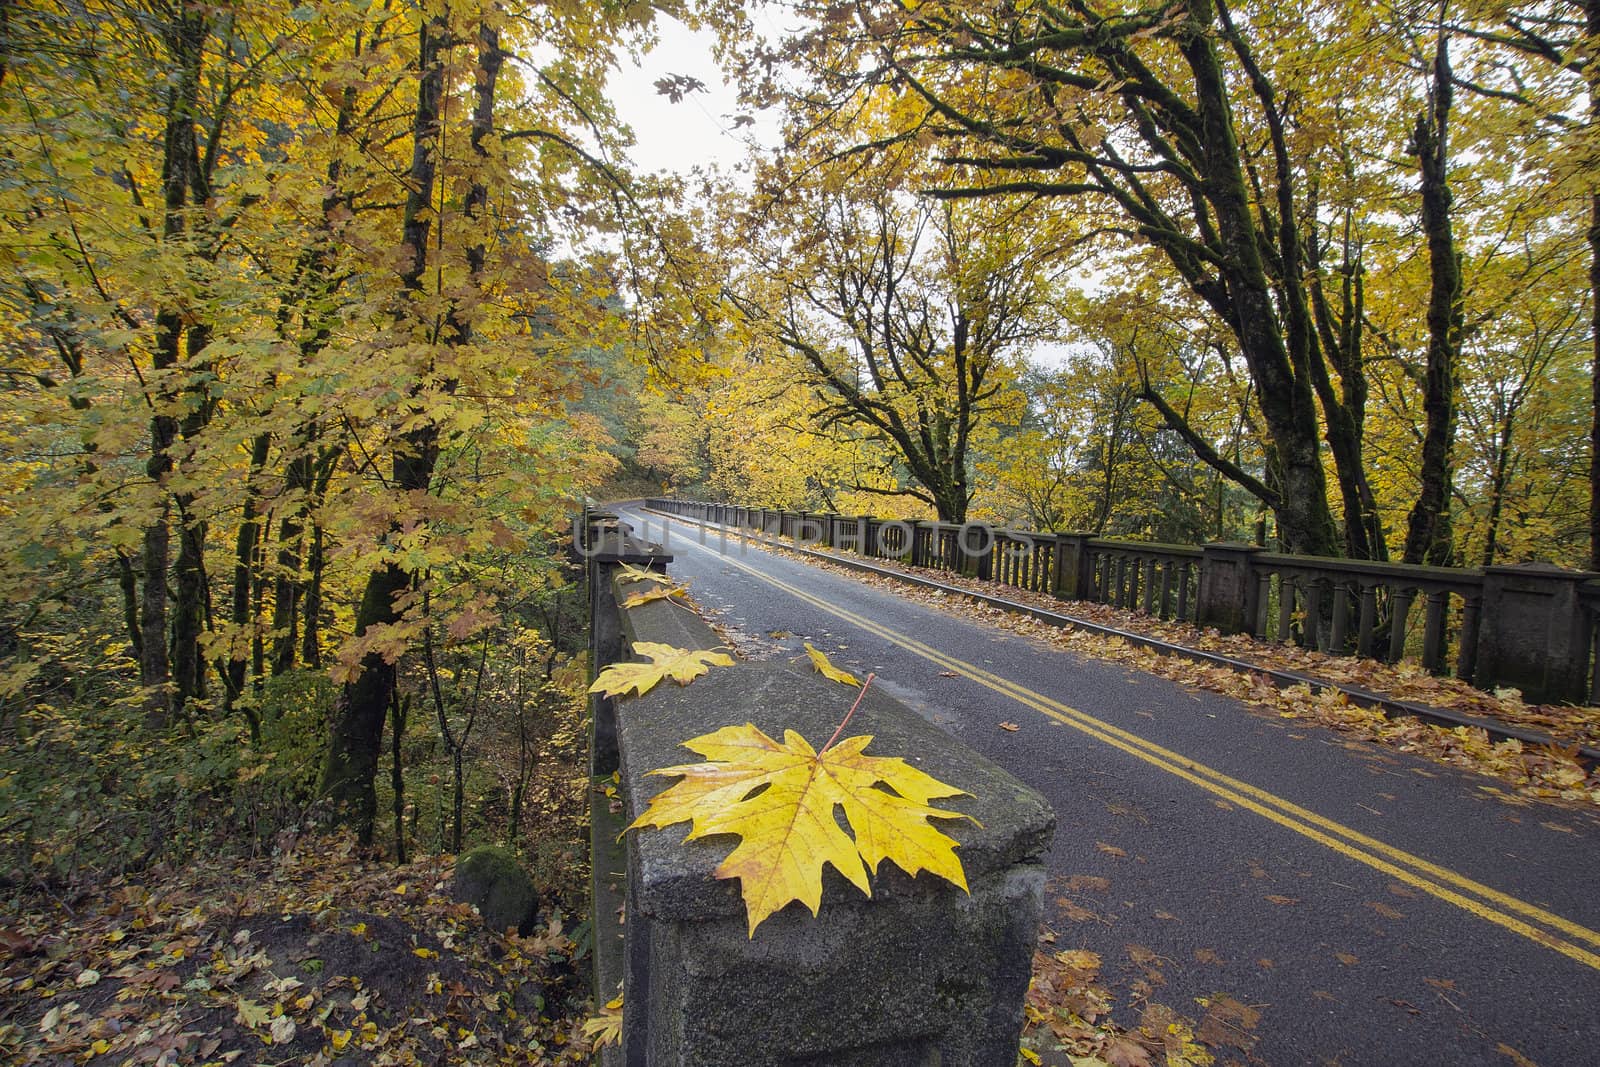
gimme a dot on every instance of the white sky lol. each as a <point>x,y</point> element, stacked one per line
<point>699,128</point>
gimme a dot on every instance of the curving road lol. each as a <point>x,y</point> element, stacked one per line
<point>1373,907</point>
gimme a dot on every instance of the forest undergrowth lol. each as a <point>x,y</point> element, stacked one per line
<point>167,905</point>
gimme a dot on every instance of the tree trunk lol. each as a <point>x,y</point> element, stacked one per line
<point>185,40</point>
<point>289,586</point>
<point>350,774</point>
<point>1428,533</point>
<point>1594,329</point>
<point>1282,375</point>
<point>397,777</point>
<point>245,550</point>
<point>189,570</point>
<point>1592,70</point>
<point>311,605</point>
<point>1497,491</point>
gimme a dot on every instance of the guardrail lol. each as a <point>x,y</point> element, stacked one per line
<point>1530,626</point>
<point>917,974</point>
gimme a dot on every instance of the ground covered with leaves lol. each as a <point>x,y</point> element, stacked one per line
<point>1552,773</point>
<point>314,955</point>
<point>1068,1018</point>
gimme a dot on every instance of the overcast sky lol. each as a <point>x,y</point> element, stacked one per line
<point>697,129</point>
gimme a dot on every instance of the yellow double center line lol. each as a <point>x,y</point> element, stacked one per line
<point>1520,917</point>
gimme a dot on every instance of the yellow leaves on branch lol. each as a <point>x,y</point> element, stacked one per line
<point>682,665</point>
<point>825,667</point>
<point>780,800</point>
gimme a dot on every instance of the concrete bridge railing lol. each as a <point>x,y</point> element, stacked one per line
<point>1531,626</point>
<point>918,974</point>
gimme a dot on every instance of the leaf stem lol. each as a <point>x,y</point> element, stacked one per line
<point>849,713</point>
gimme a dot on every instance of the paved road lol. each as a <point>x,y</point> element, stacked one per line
<point>1375,908</point>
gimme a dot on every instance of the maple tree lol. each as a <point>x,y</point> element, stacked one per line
<point>905,317</point>
<point>300,298</point>
<point>1215,159</point>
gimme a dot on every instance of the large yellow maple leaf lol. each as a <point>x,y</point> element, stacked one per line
<point>682,665</point>
<point>789,829</point>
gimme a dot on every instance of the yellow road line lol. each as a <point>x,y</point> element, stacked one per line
<point>1493,905</point>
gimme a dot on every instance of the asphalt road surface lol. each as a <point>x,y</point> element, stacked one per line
<point>1375,908</point>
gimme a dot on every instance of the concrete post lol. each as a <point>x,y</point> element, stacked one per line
<point>1227,587</point>
<point>919,974</point>
<point>1531,633</point>
<point>1072,580</point>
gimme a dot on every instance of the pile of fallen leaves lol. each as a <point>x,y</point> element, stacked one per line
<point>315,955</point>
<point>1549,772</point>
<point>1067,1018</point>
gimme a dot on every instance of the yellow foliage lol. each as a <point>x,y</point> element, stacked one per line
<point>825,667</point>
<point>788,828</point>
<point>681,665</point>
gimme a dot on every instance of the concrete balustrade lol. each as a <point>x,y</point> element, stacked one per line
<point>1534,627</point>
<point>919,974</point>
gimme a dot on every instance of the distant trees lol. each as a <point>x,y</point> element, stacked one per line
<point>906,318</point>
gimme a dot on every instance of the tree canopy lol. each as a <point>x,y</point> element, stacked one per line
<point>319,318</point>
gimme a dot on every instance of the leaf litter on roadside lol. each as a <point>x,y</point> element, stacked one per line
<point>1069,1012</point>
<point>1546,773</point>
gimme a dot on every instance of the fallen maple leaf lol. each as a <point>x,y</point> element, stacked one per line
<point>659,593</point>
<point>1010,726</point>
<point>680,664</point>
<point>780,799</point>
<point>629,574</point>
<point>1124,1052</point>
<point>605,1028</point>
<point>825,667</point>
<point>249,1013</point>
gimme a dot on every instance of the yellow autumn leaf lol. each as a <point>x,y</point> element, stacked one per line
<point>339,1039</point>
<point>825,667</point>
<point>661,593</point>
<point>248,1013</point>
<point>789,829</point>
<point>630,574</point>
<point>605,1028</point>
<point>680,664</point>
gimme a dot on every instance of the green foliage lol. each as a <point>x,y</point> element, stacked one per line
<point>293,711</point>
<point>87,796</point>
